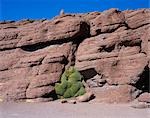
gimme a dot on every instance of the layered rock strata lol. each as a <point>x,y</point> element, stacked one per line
<point>111,49</point>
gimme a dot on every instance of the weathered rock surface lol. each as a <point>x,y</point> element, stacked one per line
<point>116,94</point>
<point>145,97</point>
<point>111,49</point>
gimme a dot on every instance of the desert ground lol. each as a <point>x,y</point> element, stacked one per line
<point>80,110</point>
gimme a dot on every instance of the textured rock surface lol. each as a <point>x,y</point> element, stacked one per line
<point>111,49</point>
<point>116,94</point>
<point>145,97</point>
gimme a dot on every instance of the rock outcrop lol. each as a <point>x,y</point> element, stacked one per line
<point>111,49</point>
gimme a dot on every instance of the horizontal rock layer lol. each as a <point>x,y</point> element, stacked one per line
<point>111,49</point>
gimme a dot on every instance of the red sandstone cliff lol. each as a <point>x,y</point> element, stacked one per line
<point>111,50</point>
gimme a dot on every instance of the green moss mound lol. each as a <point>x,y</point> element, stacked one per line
<point>71,84</point>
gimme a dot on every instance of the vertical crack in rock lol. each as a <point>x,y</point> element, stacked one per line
<point>143,83</point>
<point>84,33</point>
<point>27,89</point>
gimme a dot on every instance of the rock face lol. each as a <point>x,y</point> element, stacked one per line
<point>111,49</point>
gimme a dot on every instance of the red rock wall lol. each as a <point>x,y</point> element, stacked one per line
<point>110,49</point>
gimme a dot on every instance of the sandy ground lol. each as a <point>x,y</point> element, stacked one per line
<point>80,110</point>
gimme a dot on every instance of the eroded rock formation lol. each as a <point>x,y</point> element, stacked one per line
<point>110,49</point>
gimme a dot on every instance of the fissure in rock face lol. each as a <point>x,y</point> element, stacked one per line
<point>110,49</point>
<point>143,82</point>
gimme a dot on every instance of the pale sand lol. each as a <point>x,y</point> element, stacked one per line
<point>80,110</point>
